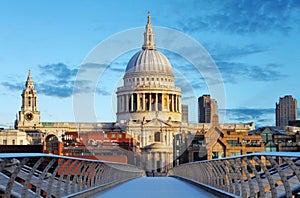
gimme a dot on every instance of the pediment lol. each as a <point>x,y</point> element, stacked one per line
<point>157,122</point>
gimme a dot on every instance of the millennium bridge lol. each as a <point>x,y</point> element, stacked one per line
<point>253,175</point>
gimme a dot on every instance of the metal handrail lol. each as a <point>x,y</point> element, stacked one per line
<point>268,174</point>
<point>48,175</point>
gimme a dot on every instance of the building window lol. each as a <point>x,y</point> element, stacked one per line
<point>21,142</point>
<point>233,142</point>
<point>105,135</point>
<point>234,154</point>
<point>13,142</point>
<point>113,135</point>
<point>120,135</point>
<point>217,155</point>
<point>4,142</point>
<point>157,137</point>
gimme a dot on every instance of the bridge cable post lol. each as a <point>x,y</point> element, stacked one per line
<point>268,175</point>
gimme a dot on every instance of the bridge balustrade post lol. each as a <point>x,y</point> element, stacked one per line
<point>77,173</point>
<point>108,174</point>
<point>233,175</point>
<point>206,178</point>
<point>52,178</point>
<point>197,172</point>
<point>228,177</point>
<point>68,179</point>
<point>95,176</point>
<point>62,173</point>
<point>257,177</point>
<point>214,174</point>
<point>42,176</point>
<point>283,178</point>
<point>268,175</point>
<point>209,173</point>
<point>81,176</point>
<point>87,176</point>
<point>240,176</point>
<point>249,179</point>
<point>101,173</point>
<point>200,173</point>
<point>222,175</point>
<point>293,166</point>
<point>29,176</point>
<point>12,178</point>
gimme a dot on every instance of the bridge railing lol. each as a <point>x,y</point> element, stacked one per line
<point>35,175</point>
<point>270,174</point>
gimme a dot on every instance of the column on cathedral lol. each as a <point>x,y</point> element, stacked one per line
<point>131,96</point>
<point>168,102</point>
<point>180,110</point>
<point>150,101</point>
<point>144,102</point>
<point>172,102</point>
<point>153,167</point>
<point>176,104</point>
<point>126,103</point>
<point>156,101</point>
<point>137,102</point>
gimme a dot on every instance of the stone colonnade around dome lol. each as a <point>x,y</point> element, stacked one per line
<point>149,101</point>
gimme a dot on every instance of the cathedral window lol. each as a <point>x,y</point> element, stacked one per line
<point>157,137</point>
<point>29,101</point>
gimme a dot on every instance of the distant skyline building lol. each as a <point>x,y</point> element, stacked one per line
<point>207,108</point>
<point>185,113</point>
<point>286,110</point>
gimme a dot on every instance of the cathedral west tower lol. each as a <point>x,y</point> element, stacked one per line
<point>29,116</point>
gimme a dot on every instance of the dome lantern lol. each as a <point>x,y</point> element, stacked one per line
<point>149,36</point>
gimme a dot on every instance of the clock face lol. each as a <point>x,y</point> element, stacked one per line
<point>29,116</point>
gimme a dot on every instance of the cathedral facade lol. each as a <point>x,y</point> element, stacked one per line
<point>149,110</point>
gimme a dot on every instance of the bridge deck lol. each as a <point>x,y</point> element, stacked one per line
<point>154,187</point>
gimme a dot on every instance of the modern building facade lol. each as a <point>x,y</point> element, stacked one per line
<point>286,110</point>
<point>185,113</point>
<point>207,108</point>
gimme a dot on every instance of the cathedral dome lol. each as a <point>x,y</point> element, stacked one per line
<point>149,61</point>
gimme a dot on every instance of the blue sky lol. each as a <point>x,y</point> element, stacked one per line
<point>255,45</point>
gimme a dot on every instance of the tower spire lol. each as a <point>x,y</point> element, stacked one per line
<point>149,35</point>
<point>29,82</point>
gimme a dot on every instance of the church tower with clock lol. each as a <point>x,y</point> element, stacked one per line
<point>29,116</point>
